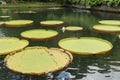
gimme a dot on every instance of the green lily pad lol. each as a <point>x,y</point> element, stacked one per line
<point>73,28</point>
<point>39,34</point>
<point>119,36</point>
<point>4,16</point>
<point>18,23</point>
<point>107,28</point>
<point>110,22</point>
<point>28,12</point>
<point>51,23</point>
<point>38,60</point>
<point>11,44</point>
<point>85,45</point>
<point>1,23</point>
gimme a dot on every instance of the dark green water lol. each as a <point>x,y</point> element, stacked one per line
<point>95,67</point>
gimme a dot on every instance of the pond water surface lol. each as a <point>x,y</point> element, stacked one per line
<point>94,67</point>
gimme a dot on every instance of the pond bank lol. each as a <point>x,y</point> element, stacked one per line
<point>30,5</point>
<point>97,8</point>
<point>47,5</point>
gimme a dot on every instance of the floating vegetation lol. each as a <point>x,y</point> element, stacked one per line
<point>38,60</point>
<point>55,8</point>
<point>11,44</point>
<point>85,45</point>
<point>18,23</point>
<point>51,23</point>
<point>1,23</point>
<point>119,36</point>
<point>110,22</point>
<point>39,34</point>
<point>73,28</point>
<point>5,18</point>
<point>21,12</point>
<point>107,28</point>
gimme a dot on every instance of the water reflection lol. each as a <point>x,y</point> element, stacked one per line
<point>94,67</point>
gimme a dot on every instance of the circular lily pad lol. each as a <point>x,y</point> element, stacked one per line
<point>107,28</point>
<point>39,34</point>
<point>1,23</point>
<point>4,16</point>
<point>51,23</point>
<point>38,60</point>
<point>73,28</point>
<point>85,45</point>
<point>28,12</point>
<point>110,22</point>
<point>11,44</point>
<point>18,23</point>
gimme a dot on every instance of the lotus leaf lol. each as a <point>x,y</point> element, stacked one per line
<point>85,45</point>
<point>107,28</point>
<point>18,23</point>
<point>39,34</point>
<point>110,22</point>
<point>11,44</point>
<point>73,28</point>
<point>51,23</point>
<point>38,60</point>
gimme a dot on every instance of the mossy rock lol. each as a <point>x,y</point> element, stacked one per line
<point>18,23</point>
<point>73,28</point>
<point>38,60</point>
<point>51,23</point>
<point>106,28</point>
<point>110,22</point>
<point>11,44</point>
<point>86,45</point>
<point>39,34</point>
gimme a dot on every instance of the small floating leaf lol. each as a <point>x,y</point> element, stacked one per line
<point>38,60</point>
<point>18,23</point>
<point>85,45</point>
<point>4,16</point>
<point>73,28</point>
<point>51,23</point>
<point>28,12</point>
<point>39,34</point>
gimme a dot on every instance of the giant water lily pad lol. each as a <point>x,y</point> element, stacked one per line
<point>51,23</point>
<point>107,28</point>
<point>38,60</point>
<point>1,23</point>
<point>110,22</point>
<point>86,45</point>
<point>39,34</point>
<point>11,44</point>
<point>18,23</point>
<point>73,28</point>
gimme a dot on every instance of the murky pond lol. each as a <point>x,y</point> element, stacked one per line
<point>94,67</point>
